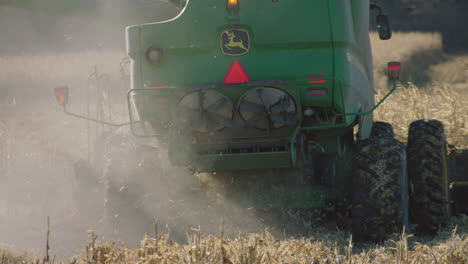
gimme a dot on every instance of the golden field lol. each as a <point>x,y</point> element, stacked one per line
<point>433,85</point>
<point>324,248</point>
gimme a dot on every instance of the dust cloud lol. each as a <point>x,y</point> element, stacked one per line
<point>73,172</point>
<point>118,193</point>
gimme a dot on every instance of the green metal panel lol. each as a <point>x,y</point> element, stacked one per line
<point>246,161</point>
<point>289,41</point>
<point>281,44</point>
<point>353,61</point>
<point>282,47</point>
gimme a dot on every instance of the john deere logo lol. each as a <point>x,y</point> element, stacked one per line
<point>235,42</point>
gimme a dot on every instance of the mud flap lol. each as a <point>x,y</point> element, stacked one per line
<point>365,126</point>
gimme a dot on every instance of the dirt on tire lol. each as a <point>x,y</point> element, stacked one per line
<point>379,200</point>
<point>382,129</point>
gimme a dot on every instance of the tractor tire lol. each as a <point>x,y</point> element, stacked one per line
<point>428,176</point>
<point>380,189</point>
<point>382,129</point>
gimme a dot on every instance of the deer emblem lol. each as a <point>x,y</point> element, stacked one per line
<point>232,43</point>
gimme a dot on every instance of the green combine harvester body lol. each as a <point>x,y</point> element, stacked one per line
<point>236,86</point>
<point>266,85</point>
<point>275,99</point>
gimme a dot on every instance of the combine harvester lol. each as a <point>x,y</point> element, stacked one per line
<point>284,89</point>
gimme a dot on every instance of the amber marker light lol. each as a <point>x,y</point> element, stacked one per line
<point>233,7</point>
<point>61,94</point>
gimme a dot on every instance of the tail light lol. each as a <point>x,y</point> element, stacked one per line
<point>317,92</point>
<point>317,79</point>
<point>394,69</point>
<point>154,55</point>
<point>158,85</point>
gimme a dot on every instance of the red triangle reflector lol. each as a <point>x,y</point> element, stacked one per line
<point>236,74</point>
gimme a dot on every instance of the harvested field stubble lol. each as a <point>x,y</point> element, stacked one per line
<point>433,85</point>
<point>437,101</point>
<point>265,248</point>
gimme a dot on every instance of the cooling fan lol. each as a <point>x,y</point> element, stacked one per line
<point>205,111</point>
<point>267,108</point>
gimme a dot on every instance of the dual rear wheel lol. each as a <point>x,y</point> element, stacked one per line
<point>393,184</point>
<point>428,175</point>
<point>380,185</point>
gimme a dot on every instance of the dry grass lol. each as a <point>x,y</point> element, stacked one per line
<point>411,103</point>
<point>434,85</point>
<point>265,248</point>
<point>7,257</point>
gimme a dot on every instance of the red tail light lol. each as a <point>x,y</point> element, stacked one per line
<point>316,79</point>
<point>158,85</point>
<point>394,66</point>
<point>317,92</point>
<point>394,69</point>
<point>236,74</point>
